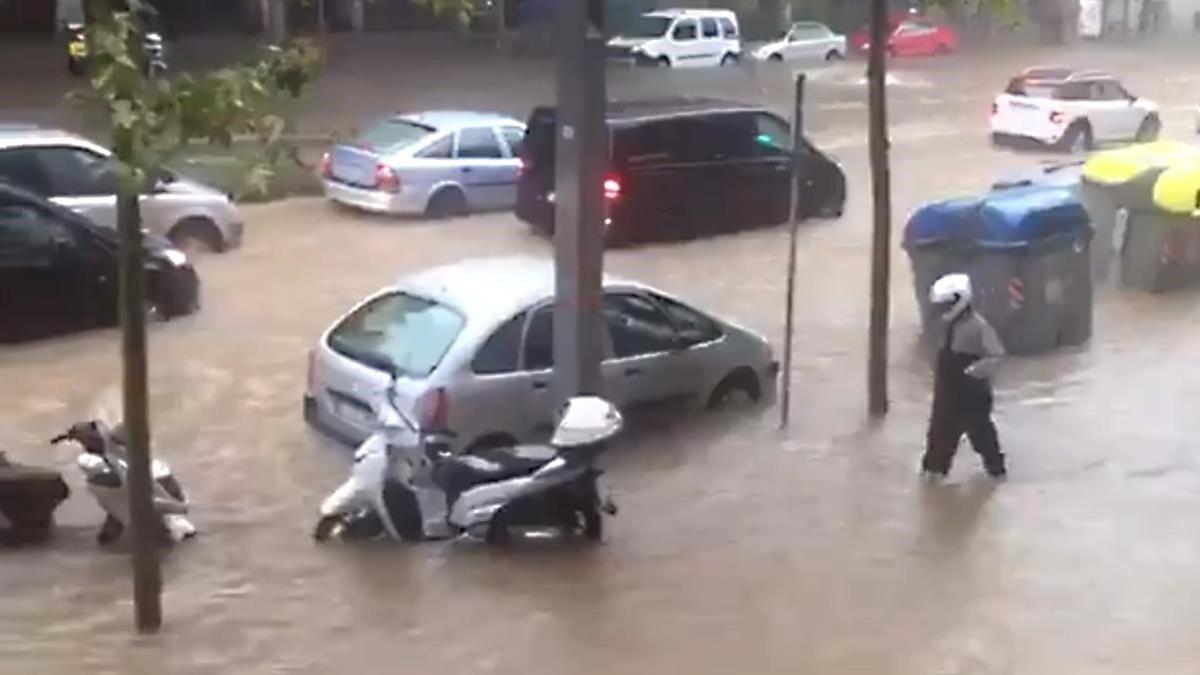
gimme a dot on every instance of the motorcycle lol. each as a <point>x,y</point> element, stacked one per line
<point>28,497</point>
<point>104,464</point>
<point>155,62</point>
<point>404,485</point>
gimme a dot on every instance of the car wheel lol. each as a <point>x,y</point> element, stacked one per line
<point>729,60</point>
<point>193,235</point>
<point>740,381</point>
<point>498,533</point>
<point>447,203</point>
<point>776,58</point>
<point>834,55</point>
<point>1149,130</point>
<point>1077,139</point>
<point>663,62</point>
<point>592,525</point>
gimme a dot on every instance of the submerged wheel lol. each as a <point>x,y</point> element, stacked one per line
<point>1149,130</point>
<point>742,380</point>
<point>592,524</point>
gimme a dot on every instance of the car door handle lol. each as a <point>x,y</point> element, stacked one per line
<point>539,385</point>
<point>633,372</point>
<point>467,169</point>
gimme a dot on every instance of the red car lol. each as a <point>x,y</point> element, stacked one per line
<point>912,37</point>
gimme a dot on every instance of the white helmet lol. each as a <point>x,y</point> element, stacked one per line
<point>586,420</point>
<point>952,293</point>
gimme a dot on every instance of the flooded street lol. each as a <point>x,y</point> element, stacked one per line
<point>739,548</point>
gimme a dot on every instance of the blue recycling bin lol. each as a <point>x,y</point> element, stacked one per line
<point>1059,174</point>
<point>1026,251</point>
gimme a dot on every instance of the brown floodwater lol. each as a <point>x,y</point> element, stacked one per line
<point>739,548</point>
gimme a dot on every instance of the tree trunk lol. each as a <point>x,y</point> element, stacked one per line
<point>143,525</point>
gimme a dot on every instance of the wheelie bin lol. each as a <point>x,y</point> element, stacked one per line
<point>1058,174</point>
<point>1161,247</point>
<point>1120,179</point>
<point>1026,251</point>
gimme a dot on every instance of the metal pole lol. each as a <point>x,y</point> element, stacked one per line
<point>785,407</point>
<point>143,522</point>
<point>581,160</point>
<point>882,199</point>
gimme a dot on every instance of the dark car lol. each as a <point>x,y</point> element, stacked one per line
<point>58,271</point>
<point>681,168</point>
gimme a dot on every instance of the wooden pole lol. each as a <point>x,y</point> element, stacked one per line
<point>877,361</point>
<point>785,407</point>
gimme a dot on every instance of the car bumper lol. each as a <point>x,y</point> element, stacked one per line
<point>179,291</point>
<point>1044,135</point>
<point>375,201</point>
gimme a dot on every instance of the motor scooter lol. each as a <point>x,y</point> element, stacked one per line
<point>404,485</point>
<point>104,464</point>
<point>155,57</point>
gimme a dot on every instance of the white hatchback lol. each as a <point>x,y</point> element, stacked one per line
<point>680,38</point>
<point>472,344</point>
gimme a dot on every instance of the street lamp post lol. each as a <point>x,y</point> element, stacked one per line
<point>877,358</point>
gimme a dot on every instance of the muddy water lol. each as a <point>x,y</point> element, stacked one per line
<point>738,547</point>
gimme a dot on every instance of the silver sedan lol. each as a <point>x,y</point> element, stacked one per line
<point>435,163</point>
<point>473,348</point>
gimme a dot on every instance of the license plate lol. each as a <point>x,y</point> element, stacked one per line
<point>352,414</point>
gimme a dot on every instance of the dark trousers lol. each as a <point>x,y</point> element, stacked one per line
<point>957,413</point>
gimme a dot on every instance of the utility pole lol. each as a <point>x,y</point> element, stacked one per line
<point>785,407</point>
<point>581,158</point>
<point>877,361</point>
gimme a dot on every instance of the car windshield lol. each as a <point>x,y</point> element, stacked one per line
<point>392,133</point>
<point>398,332</point>
<point>648,26</point>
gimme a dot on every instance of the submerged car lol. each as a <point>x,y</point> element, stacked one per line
<point>58,271</point>
<point>439,164</point>
<point>804,41</point>
<point>681,168</point>
<point>81,175</point>
<point>472,345</point>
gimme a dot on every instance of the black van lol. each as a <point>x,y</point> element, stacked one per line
<point>682,168</point>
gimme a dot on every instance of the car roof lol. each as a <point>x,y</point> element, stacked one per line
<point>11,193</point>
<point>448,120</point>
<point>631,111</point>
<point>1062,74</point>
<point>490,291</point>
<point>17,134</point>
<point>672,12</point>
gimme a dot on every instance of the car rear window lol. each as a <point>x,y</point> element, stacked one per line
<point>1020,86</point>
<point>392,133</point>
<point>400,332</point>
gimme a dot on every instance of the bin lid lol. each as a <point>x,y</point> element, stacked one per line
<point>1023,215</point>
<point>1177,189</point>
<point>1122,165</point>
<point>1007,218</point>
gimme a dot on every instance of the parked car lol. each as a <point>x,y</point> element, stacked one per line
<point>80,175</point>
<point>680,38</point>
<point>681,168</point>
<point>913,37</point>
<point>58,271</point>
<point>440,164</point>
<point>472,344</point>
<point>805,40</point>
<point>1071,110</point>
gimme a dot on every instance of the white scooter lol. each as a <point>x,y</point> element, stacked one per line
<point>402,487</point>
<point>104,463</point>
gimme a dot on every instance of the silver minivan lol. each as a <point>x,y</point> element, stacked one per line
<point>439,164</point>
<point>472,346</point>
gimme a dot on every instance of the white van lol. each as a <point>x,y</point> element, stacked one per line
<point>680,38</point>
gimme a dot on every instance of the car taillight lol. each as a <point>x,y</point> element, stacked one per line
<point>311,379</point>
<point>612,188</point>
<point>1056,117</point>
<point>386,179</point>
<point>326,166</point>
<point>435,410</point>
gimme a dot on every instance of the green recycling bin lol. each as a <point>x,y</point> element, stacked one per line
<point>1123,179</point>
<point>1160,249</point>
